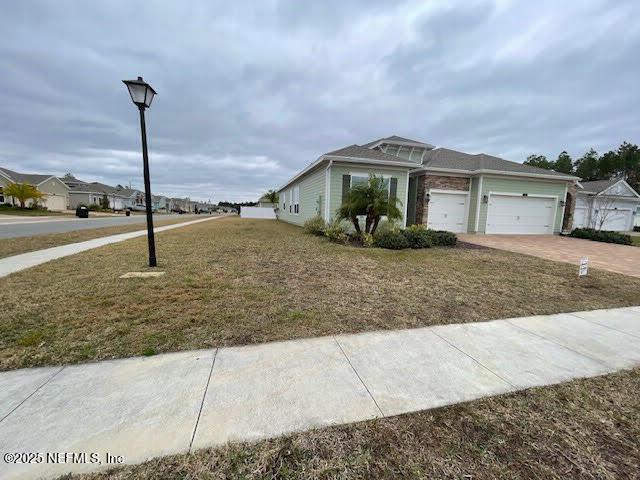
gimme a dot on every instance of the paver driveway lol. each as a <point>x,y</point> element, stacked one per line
<point>607,256</point>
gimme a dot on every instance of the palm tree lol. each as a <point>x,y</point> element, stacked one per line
<point>372,200</point>
<point>23,192</point>
<point>273,198</point>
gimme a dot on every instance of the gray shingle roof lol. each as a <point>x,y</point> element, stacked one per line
<point>366,153</point>
<point>447,158</point>
<point>30,178</point>
<point>598,186</point>
<point>396,138</point>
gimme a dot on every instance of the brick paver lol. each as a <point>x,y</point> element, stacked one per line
<point>607,256</point>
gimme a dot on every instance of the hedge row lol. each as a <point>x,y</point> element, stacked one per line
<point>393,238</point>
<point>601,236</point>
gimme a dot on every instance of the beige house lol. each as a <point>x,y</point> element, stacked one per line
<point>56,193</point>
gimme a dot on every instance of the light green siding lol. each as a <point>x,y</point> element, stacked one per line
<point>518,186</point>
<point>312,193</point>
<point>339,169</point>
<point>473,204</point>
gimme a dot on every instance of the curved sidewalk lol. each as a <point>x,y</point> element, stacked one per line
<point>23,261</point>
<point>139,408</point>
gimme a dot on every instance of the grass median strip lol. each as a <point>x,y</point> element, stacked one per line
<point>582,429</point>
<point>16,246</point>
<point>235,282</point>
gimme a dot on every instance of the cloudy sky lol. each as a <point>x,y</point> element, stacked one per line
<point>249,94</point>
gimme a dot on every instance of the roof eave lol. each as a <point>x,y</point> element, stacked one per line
<point>56,179</point>
<point>392,163</point>
<point>486,171</point>
<point>403,144</point>
<point>310,167</point>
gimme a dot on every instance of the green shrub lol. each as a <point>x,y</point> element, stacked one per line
<point>367,240</point>
<point>393,240</point>
<point>442,238</point>
<point>417,236</point>
<point>601,236</point>
<point>315,225</point>
<point>384,226</point>
<point>336,232</point>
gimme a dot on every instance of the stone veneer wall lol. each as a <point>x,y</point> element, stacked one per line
<point>570,206</point>
<point>426,182</point>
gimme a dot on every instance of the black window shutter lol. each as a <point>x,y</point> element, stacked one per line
<point>346,185</point>
<point>393,187</point>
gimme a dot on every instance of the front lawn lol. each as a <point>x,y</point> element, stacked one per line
<point>583,429</point>
<point>28,212</point>
<point>232,281</point>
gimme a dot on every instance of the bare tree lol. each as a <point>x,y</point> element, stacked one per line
<point>601,210</point>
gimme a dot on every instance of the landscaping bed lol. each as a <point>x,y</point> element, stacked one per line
<point>235,281</point>
<point>6,209</point>
<point>602,236</point>
<point>583,429</point>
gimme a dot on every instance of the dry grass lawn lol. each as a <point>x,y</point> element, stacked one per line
<point>584,429</point>
<point>16,246</point>
<point>231,281</point>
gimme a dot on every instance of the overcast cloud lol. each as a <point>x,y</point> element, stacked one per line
<point>251,93</point>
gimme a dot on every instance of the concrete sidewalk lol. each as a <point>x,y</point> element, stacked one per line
<point>144,407</point>
<point>23,261</point>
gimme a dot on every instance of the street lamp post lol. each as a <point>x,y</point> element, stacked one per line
<point>142,95</point>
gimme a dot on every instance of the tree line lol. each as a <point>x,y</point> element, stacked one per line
<point>621,163</point>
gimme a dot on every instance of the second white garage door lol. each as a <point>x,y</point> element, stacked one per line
<point>448,211</point>
<point>520,215</point>
<point>55,203</point>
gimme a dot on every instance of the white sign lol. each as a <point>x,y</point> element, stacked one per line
<point>584,267</point>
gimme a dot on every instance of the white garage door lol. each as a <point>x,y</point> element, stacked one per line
<point>447,211</point>
<point>524,215</point>
<point>580,217</point>
<point>619,220</point>
<point>55,203</point>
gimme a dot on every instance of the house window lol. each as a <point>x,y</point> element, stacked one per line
<point>363,179</point>
<point>284,201</point>
<point>1,195</point>
<point>296,200</point>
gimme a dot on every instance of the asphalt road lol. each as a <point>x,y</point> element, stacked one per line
<point>30,226</point>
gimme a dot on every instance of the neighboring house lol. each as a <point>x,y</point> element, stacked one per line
<point>180,204</point>
<point>606,205</point>
<point>133,199</point>
<point>160,203</point>
<point>264,202</point>
<point>92,193</point>
<point>56,193</point>
<point>438,187</point>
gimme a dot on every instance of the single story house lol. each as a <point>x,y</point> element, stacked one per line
<point>160,203</point>
<point>442,188</point>
<point>56,193</point>
<point>264,202</point>
<point>133,199</point>
<point>92,193</point>
<point>606,205</point>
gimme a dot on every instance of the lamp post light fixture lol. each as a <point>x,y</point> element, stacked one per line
<point>142,95</point>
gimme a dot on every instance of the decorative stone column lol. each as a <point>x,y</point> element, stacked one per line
<point>569,207</point>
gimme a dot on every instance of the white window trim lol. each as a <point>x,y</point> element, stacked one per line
<point>296,200</point>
